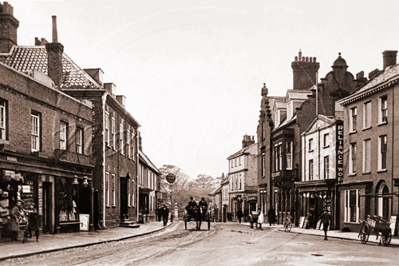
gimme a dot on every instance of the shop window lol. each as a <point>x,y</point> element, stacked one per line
<point>3,119</point>
<point>352,206</point>
<point>67,200</point>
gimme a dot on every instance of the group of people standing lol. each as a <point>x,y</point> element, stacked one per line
<point>163,212</point>
<point>257,217</point>
<point>20,215</point>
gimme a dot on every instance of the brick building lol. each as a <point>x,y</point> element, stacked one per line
<point>282,121</point>
<point>371,179</point>
<point>45,150</point>
<point>114,130</point>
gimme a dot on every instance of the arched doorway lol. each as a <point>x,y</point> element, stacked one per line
<point>383,201</point>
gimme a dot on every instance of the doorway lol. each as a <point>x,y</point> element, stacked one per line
<point>47,188</point>
<point>123,205</point>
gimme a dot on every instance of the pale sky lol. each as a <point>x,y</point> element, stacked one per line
<point>192,71</point>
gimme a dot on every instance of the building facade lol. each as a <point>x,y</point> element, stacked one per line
<point>226,214</point>
<point>149,176</point>
<point>243,178</point>
<point>322,164</point>
<point>370,183</point>
<point>45,151</point>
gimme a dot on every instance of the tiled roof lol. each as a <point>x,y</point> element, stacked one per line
<point>381,81</point>
<point>24,58</point>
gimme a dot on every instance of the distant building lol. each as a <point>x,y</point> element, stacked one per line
<point>243,178</point>
<point>225,200</point>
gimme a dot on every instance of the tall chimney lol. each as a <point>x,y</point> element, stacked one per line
<point>389,58</point>
<point>54,53</point>
<point>247,140</point>
<point>55,35</point>
<point>305,72</point>
<point>8,28</point>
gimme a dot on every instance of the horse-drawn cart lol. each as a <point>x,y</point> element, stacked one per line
<point>378,226</point>
<point>198,214</point>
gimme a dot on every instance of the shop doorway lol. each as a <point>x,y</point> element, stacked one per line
<point>47,207</point>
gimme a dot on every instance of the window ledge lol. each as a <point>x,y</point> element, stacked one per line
<point>352,222</point>
<point>382,171</point>
<point>352,132</point>
<point>108,206</point>
<point>352,174</point>
<point>382,123</point>
<point>310,150</point>
<point>366,173</point>
<point>325,147</point>
<point>367,128</point>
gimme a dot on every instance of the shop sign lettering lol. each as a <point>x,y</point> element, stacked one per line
<point>340,151</point>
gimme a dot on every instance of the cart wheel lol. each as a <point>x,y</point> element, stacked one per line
<point>209,224</point>
<point>364,237</point>
<point>386,239</point>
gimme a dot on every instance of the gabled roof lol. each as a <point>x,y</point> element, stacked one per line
<point>241,152</point>
<point>148,162</point>
<point>24,58</point>
<point>326,121</point>
<point>215,191</point>
<point>384,79</point>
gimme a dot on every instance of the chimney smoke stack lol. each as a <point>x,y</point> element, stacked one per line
<point>389,58</point>
<point>55,35</point>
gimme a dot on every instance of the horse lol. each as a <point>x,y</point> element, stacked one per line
<point>198,213</point>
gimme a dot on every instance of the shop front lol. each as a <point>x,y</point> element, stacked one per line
<point>313,199</point>
<point>245,202</point>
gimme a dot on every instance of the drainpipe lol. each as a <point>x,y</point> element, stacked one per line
<point>137,175</point>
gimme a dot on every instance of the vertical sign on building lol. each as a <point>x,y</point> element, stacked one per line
<point>340,151</point>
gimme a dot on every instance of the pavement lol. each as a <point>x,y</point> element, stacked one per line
<point>331,234</point>
<point>56,242</point>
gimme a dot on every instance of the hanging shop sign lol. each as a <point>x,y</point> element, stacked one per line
<point>340,151</point>
<point>170,178</point>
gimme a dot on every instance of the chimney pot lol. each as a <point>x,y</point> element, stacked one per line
<point>55,35</point>
<point>389,58</point>
<point>300,55</point>
<point>37,41</point>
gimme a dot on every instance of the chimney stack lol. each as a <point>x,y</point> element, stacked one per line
<point>247,140</point>
<point>389,58</point>
<point>8,28</point>
<point>54,53</point>
<point>305,71</point>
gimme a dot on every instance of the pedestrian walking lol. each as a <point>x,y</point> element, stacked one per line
<point>271,216</point>
<point>12,226</point>
<point>260,218</point>
<point>32,225</point>
<point>253,219</point>
<point>165,215</point>
<point>325,219</point>
<point>159,213</point>
<point>239,215</point>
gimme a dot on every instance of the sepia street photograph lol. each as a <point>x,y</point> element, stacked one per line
<point>186,132</point>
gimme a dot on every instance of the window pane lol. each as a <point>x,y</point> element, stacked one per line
<point>353,207</point>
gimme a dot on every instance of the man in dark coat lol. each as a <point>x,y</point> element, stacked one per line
<point>165,215</point>
<point>271,216</point>
<point>190,206</point>
<point>158,212</point>
<point>325,219</point>
<point>203,203</point>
